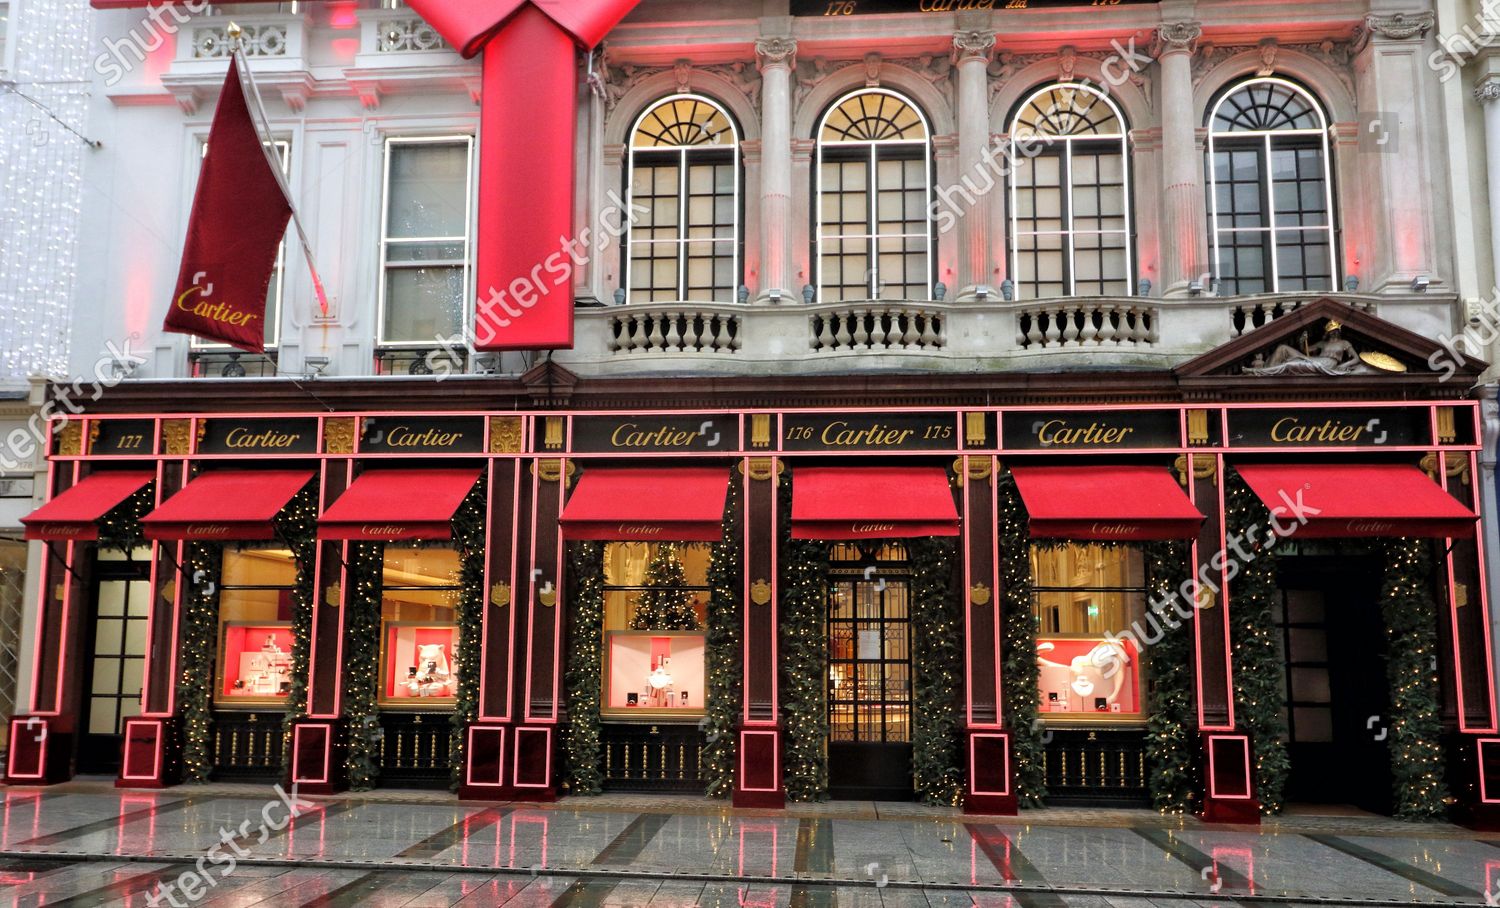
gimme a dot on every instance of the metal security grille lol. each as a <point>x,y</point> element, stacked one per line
<point>639,757</point>
<point>414,749</point>
<point>1096,766</point>
<point>246,746</point>
<point>869,662</point>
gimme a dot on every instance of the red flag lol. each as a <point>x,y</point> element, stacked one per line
<point>239,218</point>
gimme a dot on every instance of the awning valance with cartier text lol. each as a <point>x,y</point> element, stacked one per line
<point>872,503</point>
<point>226,505</point>
<point>670,505</point>
<point>1327,500</point>
<point>73,516</point>
<point>398,505</point>
<point>1122,503</point>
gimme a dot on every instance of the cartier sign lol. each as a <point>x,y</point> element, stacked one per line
<point>869,432</point>
<point>1372,427</point>
<point>423,435</point>
<point>656,434</point>
<point>259,436</point>
<point>1094,430</point>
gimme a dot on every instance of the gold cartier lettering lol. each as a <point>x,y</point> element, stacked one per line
<point>383,532</point>
<point>953,6</point>
<point>630,435</point>
<point>838,434</point>
<point>209,531</point>
<point>867,528</point>
<point>218,312</point>
<point>628,531</point>
<point>1057,432</point>
<point>1114,530</point>
<point>406,437</point>
<point>270,438</point>
<point>1290,429</point>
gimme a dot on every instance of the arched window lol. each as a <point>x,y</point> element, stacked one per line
<point>874,228</point>
<point>684,173</point>
<point>1070,208</point>
<point>1270,190</point>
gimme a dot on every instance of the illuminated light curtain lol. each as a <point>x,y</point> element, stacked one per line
<point>874,175</point>
<point>684,172</point>
<point>1270,190</point>
<point>1070,195</point>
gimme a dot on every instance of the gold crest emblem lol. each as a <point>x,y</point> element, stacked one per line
<point>979,594</point>
<point>760,592</point>
<point>500,594</point>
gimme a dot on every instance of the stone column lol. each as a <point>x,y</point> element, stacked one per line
<point>1184,231</point>
<point>1488,93</point>
<point>776,56</point>
<point>1395,89</point>
<point>972,50</point>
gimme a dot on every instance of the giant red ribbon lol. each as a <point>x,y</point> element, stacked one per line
<point>528,131</point>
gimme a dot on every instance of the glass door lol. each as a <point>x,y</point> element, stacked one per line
<point>116,651</point>
<point>869,687</point>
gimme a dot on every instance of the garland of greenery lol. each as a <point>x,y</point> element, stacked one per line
<point>937,661</point>
<point>725,657</point>
<point>469,537</point>
<point>199,579</point>
<point>120,529</point>
<point>1258,669</point>
<point>297,528</point>
<point>804,660</point>
<point>1020,677</point>
<point>583,763</point>
<point>361,664</point>
<point>1410,613</point>
<point>1173,775</point>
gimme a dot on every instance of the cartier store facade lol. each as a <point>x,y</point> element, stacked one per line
<point>985,603</point>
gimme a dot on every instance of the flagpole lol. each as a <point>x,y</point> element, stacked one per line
<point>268,145</point>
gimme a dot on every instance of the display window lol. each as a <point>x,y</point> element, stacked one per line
<point>655,609</point>
<point>255,627</point>
<point>1085,597</point>
<point>419,627</point>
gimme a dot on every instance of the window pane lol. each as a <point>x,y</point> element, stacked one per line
<point>429,190</point>
<point>422,304</point>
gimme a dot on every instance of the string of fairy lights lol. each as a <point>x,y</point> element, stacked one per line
<point>1020,680</point>
<point>41,184</point>
<point>937,683</point>
<point>725,658</point>
<point>469,537</point>
<point>1173,777</point>
<point>1409,610</point>
<point>582,740</point>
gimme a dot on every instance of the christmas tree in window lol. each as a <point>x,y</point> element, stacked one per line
<point>666,604</point>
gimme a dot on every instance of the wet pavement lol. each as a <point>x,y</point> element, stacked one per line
<point>87,844</point>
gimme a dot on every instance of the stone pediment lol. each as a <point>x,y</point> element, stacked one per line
<point>1332,344</point>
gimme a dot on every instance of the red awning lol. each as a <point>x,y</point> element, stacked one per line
<point>1372,499</point>
<point>673,505</point>
<point>74,515</point>
<point>872,503</point>
<point>226,505</point>
<point>396,505</point>
<point>1120,503</point>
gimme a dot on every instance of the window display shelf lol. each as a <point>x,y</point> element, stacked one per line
<point>653,674</point>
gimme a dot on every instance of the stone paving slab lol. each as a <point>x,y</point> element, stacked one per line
<point>109,846</point>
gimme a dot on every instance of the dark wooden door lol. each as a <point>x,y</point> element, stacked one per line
<point>1337,696</point>
<point>115,659</point>
<point>869,689</point>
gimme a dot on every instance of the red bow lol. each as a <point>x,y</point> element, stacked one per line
<point>468,25</point>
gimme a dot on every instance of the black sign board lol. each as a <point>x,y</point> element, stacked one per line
<point>259,436</point>
<point>123,437</point>
<point>423,435</point>
<point>1093,430</point>
<point>869,432</point>
<point>858,7</point>
<point>1363,427</point>
<point>656,434</point>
